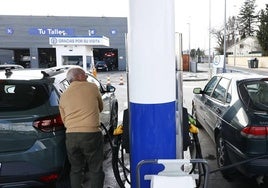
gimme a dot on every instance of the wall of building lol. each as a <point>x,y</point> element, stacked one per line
<point>245,47</point>
<point>33,32</point>
<point>243,61</point>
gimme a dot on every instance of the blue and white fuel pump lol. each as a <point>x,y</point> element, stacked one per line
<point>152,83</point>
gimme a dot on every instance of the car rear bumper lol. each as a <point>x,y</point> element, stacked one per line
<point>254,165</point>
<point>28,181</point>
<point>21,184</point>
<point>257,167</point>
<point>45,157</point>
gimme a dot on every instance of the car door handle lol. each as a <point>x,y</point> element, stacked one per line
<point>218,111</point>
<point>105,96</point>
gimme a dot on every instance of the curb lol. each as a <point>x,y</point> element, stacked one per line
<point>195,77</point>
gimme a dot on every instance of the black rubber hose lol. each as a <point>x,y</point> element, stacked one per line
<point>239,163</point>
<point>198,156</point>
<point>122,163</point>
<point>115,150</point>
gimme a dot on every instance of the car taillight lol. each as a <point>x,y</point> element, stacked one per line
<point>49,124</point>
<point>49,178</point>
<point>255,132</point>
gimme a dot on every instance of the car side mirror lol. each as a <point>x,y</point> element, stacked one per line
<point>197,90</point>
<point>110,88</point>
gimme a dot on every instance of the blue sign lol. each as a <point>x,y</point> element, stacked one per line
<point>91,32</point>
<point>52,31</point>
<point>113,31</point>
<point>10,31</point>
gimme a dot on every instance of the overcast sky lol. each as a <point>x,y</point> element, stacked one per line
<point>195,12</point>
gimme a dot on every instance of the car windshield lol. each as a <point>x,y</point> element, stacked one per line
<point>100,63</point>
<point>19,96</point>
<point>254,94</point>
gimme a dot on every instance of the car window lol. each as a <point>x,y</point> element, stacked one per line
<point>19,96</point>
<point>53,98</point>
<point>220,91</point>
<point>92,79</point>
<point>255,94</point>
<point>63,86</point>
<point>229,95</point>
<point>210,85</point>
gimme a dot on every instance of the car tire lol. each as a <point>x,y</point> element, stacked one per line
<point>223,159</point>
<point>265,183</point>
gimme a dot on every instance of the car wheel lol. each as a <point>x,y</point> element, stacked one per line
<point>197,123</point>
<point>223,159</point>
<point>264,184</point>
<point>114,119</point>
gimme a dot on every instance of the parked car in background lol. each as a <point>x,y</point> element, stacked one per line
<point>32,135</point>
<point>102,66</point>
<point>10,66</point>
<point>233,109</point>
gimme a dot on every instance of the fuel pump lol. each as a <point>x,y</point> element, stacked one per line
<point>117,146</point>
<point>120,147</point>
<point>152,93</point>
<point>121,141</point>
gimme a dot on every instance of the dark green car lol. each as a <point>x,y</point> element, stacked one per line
<point>32,135</point>
<point>233,109</point>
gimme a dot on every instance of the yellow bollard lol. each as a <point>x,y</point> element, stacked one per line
<point>94,72</point>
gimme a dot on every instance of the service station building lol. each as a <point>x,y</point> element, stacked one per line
<point>26,40</point>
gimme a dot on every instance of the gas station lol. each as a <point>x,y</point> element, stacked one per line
<point>151,53</point>
<point>156,125</point>
<point>155,111</point>
<point>152,102</point>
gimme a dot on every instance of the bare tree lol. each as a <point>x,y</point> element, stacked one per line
<point>219,36</point>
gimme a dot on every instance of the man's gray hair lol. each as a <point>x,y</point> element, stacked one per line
<point>73,73</point>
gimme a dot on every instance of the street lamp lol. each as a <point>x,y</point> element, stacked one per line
<point>235,46</point>
<point>209,43</point>
<point>189,26</point>
<point>224,38</point>
<point>235,53</point>
<point>235,34</point>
